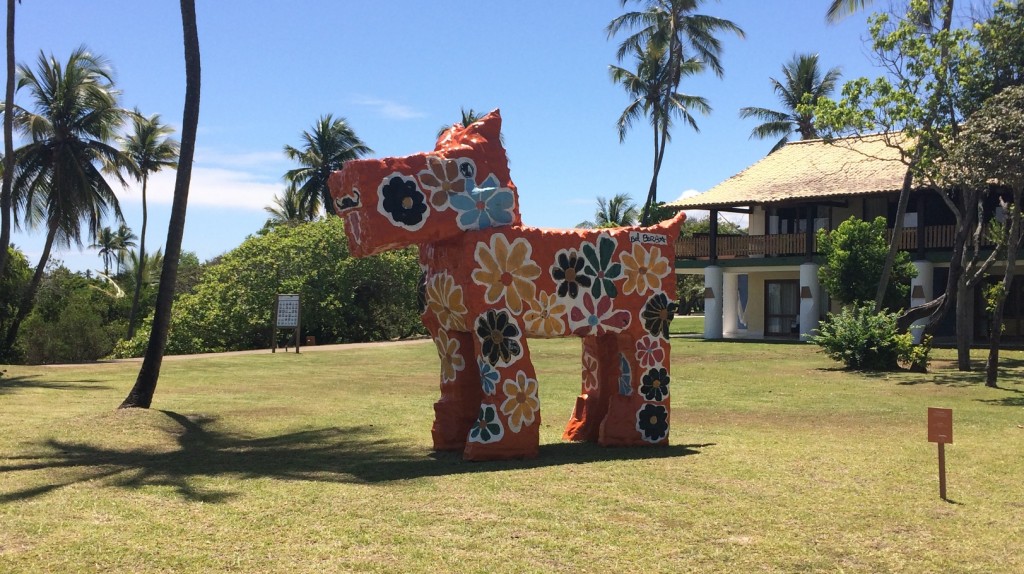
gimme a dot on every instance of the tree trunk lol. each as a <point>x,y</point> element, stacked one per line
<point>141,267</point>
<point>963,316</point>
<point>652,191</point>
<point>5,192</point>
<point>897,231</point>
<point>1013,244</point>
<point>141,395</point>
<point>28,298</point>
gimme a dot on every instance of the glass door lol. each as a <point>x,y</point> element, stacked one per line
<point>782,308</point>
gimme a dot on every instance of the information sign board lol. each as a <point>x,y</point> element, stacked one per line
<point>287,311</point>
<point>940,425</point>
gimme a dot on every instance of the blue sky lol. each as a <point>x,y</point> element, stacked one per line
<point>398,71</point>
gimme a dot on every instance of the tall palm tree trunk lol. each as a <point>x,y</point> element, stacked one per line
<point>141,395</point>
<point>652,192</point>
<point>133,314</point>
<point>5,192</point>
<point>29,296</point>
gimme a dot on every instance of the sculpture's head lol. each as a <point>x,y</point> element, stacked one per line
<point>463,184</point>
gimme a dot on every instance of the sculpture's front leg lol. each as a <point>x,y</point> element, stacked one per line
<point>507,424</point>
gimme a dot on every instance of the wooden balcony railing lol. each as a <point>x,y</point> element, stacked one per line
<point>735,246</point>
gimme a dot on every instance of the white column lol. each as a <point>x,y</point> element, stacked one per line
<point>713,287</point>
<point>810,299</point>
<point>730,299</point>
<point>921,290</point>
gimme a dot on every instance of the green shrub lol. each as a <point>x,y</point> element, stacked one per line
<point>855,253</point>
<point>73,334</point>
<point>862,339</point>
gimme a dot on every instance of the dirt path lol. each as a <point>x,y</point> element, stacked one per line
<point>305,349</point>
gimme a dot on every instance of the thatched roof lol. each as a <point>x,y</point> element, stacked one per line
<point>811,169</point>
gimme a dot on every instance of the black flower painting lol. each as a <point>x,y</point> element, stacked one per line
<point>404,203</point>
<point>652,422</point>
<point>658,314</point>
<point>568,273</point>
<point>654,385</point>
<point>499,337</point>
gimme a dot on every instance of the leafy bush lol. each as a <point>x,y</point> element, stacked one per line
<point>343,299</point>
<point>16,277</point>
<point>854,254</point>
<point>71,333</point>
<point>862,339</point>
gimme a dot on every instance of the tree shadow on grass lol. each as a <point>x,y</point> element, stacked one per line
<point>340,455</point>
<point>10,385</point>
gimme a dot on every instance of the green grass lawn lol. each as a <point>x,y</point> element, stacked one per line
<point>687,325</point>
<point>321,462</point>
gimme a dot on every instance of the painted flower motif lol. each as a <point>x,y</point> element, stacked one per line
<point>652,422</point>
<point>451,360</point>
<point>567,272</point>
<point>658,314</point>
<point>654,385</point>
<point>521,403</point>
<point>486,206</point>
<point>649,352</point>
<point>488,426</point>
<point>544,317</point>
<point>625,376</point>
<point>506,270</point>
<point>596,317</point>
<point>644,269</point>
<point>599,265</point>
<point>499,337</point>
<point>442,179</point>
<point>589,370</point>
<point>489,376</point>
<point>403,202</point>
<point>444,299</point>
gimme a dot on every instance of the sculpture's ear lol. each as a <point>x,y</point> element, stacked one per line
<point>487,127</point>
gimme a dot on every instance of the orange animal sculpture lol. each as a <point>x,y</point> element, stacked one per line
<point>490,283</point>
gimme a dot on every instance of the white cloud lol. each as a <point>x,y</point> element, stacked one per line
<point>687,193</point>
<point>217,187</point>
<point>388,109</point>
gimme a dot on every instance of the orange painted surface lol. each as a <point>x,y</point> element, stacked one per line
<point>490,284</point>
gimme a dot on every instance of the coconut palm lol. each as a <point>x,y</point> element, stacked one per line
<point>653,96</point>
<point>331,143</point>
<point>668,35</point>
<point>145,270</point>
<point>141,395</point>
<point>467,117</point>
<point>287,210</point>
<point>802,83</point>
<point>106,243</point>
<point>6,214</point>
<point>125,239</point>
<point>619,211</point>
<point>840,9</point>
<point>150,150</point>
<point>60,182</point>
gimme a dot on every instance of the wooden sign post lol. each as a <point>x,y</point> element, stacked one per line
<point>940,430</point>
<point>287,315</point>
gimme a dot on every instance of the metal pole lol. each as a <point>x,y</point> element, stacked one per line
<point>942,471</point>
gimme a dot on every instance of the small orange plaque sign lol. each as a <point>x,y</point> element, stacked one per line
<point>940,425</point>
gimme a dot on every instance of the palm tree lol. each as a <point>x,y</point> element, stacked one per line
<point>287,209</point>
<point>60,180</point>
<point>150,151</point>
<point>682,43</point>
<point>145,270</point>
<point>106,243</point>
<point>654,97</point>
<point>125,239</point>
<point>324,150</point>
<point>619,211</point>
<point>6,210</point>
<point>141,395</point>
<point>802,83</point>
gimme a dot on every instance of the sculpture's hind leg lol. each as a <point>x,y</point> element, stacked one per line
<point>638,413</point>
<point>456,410</point>
<point>600,376</point>
<point>507,421</point>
